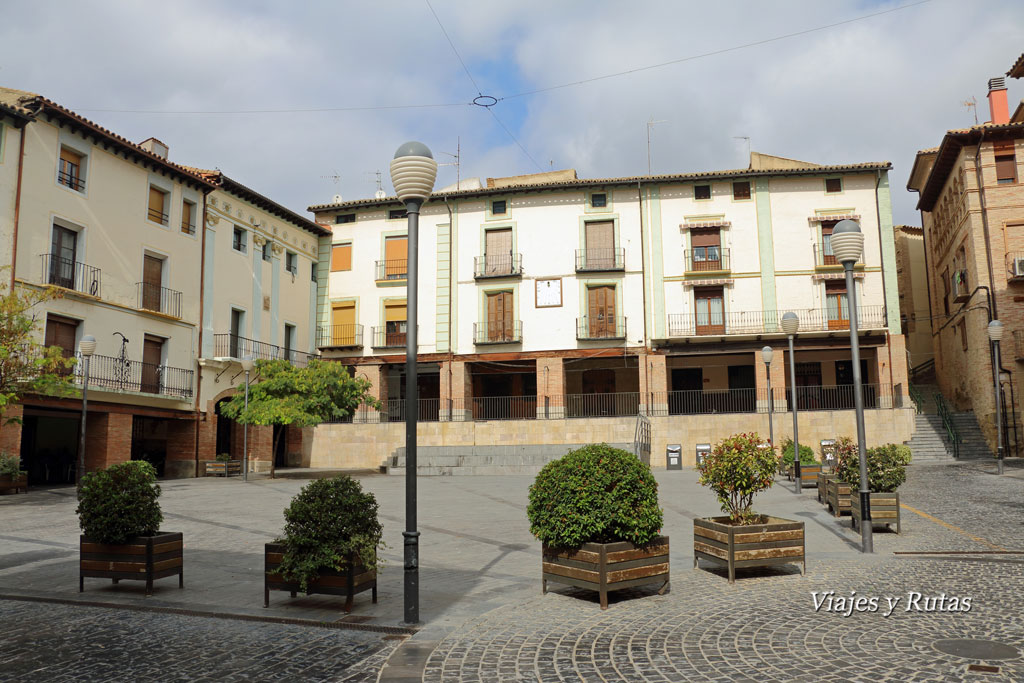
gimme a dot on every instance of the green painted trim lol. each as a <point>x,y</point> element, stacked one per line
<point>453,282</point>
<point>703,217</point>
<point>609,206</point>
<point>888,248</point>
<point>442,288</point>
<point>585,284</point>
<point>481,309</point>
<point>842,185</point>
<point>390,283</point>
<point>490,216</point>
<point>766,245</point>
<point>825,213</point>
<point>659,319</point>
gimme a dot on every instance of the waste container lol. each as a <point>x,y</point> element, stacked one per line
<point>703,449</point>
<point>828,452</point>
<point>674,456</point>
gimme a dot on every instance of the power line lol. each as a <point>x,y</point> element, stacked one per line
<point>275,111</point>
<point>464,67</point>
<point>505,128</point>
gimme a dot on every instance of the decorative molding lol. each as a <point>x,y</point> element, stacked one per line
<point>692,225</point>
<point>277,248</point>
<point>725,281</point>
<point>259,240</point>
<point>837,276</point>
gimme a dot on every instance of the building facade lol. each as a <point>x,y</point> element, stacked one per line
<point>915,314</point>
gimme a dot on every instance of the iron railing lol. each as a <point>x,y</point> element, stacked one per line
<point>382,339</point>
<point>917,397</point>
<point>767,322</point>
<point>705,259</point>
<point>160,299</point>
<point>121,374</point>
<point>394,269</point>
<point>158,216</point>
<point>621,404</point>
<point>72,180</point>
<point>946,413</point>
<point>340,336</point>
<point>600,259</point>
<point>602,327</point>
<point>497,265</point>
<point>510,332</point>
<point>922,368</point>
<point>70,274</point>
<point>238,347</point>
<point>188,228</point>
<point>824,258</point>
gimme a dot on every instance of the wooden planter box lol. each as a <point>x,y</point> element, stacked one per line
<point>774,541</point>
<point>822,483</point>
<point>9,482</point>
<point>607,567</point>
<point>347,582</point>
<point>837,496</point>
<point>143,558</point>
<point>808,475</point>
<point>885,508</point>
<point>227,468</point>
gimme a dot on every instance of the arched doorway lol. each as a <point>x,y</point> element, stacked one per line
<point>225,428</point>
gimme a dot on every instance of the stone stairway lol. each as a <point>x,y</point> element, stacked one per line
<point>928,392</point>
<point>483,460</point>
<point>972,443</point>
<point>929,443</point>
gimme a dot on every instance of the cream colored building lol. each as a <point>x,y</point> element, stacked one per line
<point>915,313</point>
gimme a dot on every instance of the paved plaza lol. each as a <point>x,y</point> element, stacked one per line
<point>484,617</point>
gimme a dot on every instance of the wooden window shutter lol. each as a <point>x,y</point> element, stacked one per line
<point>341,257</point>
<point>1006,167</point>
<point>600,236</point>
<point>70,157</point>
<point>395,312</point>
<point>343,313</point>
<point>705,237</point>
<point>156,205</point>
<point>186,215</point>
<point>835,286</point>
<point>396,248</point>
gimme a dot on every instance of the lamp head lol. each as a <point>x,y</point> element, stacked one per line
<point>995,330</point>
<point>248,364</point>
<point>87,345</point>
<point>766,353</point>
<point>847,241</point>
<point>413,171</point>
<point>790,323</point>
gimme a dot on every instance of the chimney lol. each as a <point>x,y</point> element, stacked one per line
<point>998,108</point>
<point>154,146</point>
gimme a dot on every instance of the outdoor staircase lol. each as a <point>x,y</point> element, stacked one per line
<point>483,460</point>
<point>972,443</point>
<point>931,442</point>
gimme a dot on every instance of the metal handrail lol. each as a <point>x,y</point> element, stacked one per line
<point>227,345</point>
<point>947,421</point>
<point>721,323</point>
<point>703,262</point>
<point>922,367</point>
<point>600,259</point>
<point>70,274</point>
<point>160,299</point>
<point>497,265</point>
<point>915,396</point>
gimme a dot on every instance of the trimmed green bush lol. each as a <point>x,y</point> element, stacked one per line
<point>223,457</point>
<point>595,494</point>
<point>119,503</point>
<point>887,467</point>
<point>736,470</point>
<point>327,521</point>
<point>806,454</point>
<point>11,465</point>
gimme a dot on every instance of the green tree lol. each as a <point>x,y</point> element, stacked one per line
<point>302,396</point>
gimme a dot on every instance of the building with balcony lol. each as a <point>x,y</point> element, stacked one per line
<point>553,309</point>
<point>970,194</point>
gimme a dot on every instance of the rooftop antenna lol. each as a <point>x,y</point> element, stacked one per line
<point>744,137</point>
<point>380,193</point>
<point>336,177</point>
<point>972,104</point>
<point>650,124</point>
<point>457,157</point>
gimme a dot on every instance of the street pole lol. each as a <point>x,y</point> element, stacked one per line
<point>245,433</point>
<point>796,433</point>
<point>995,333</point>
<point>766,355</point>
<point>86,347</point>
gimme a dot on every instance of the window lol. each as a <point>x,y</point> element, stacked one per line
<point>499,207</point>
<point>62,332</point>
<point>188,217</point>
<point>291,262</point>
<point>237,327</point>
<point>833,185</point>
<point>395,214</point>
<point>600,241</point>
<point>69,170</point>
<point>343,323</point>
<point>945,290</point>
<point>289,341</point>
<point>599,200</point>
<point>702,192</point>
<point>498,257</point>
<point>709,305</point>
<point>828,258</point>
<point>152,283</point>
<point>266,251</point>
<point>152,358</point>
<point>601,312</point>
<point>344,218</point>
<point>341,257</point>
<point>837,305</point>
<point>706,252</point>
<point>238,240</point>
<point>741,190</point>
<point>396,252</point>
<point>157,205</point>
<point>63,253</point>
<point>312,271</point>
<point>394,323</point>
<point>500,326</point>
<point>1006,163</point>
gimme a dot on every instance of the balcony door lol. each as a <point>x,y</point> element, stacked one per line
<point>827,257</point>
<point>500,325</point>
<point>343,324</point>
<point>498,252</point>
<point>600,239</point>
<point>152,282</point>
<point>395,321</point>
<point>601,311</point>
<point>709,303</point>
<point>707,249</point>
<point>152,358</point>
<point>63,254</point>
<point>837,305</point>
<point>61,332</point>
<point>234,339</point>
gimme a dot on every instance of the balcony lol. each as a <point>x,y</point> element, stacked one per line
<point>767,322</point>
<point>382,339</point>
<point>600,260</point>
<point>601,327</point>
<point>72,180</point>
<point>824,258</point>
<point>237,347</point>
<point>62,272</point>
<point>707,260</point>
<point>158,216</point>
<point>121,374</point>
<point>510,332</point>
<point>159,299</point>
<point>395,269</point>
<point>505,265</point>
<point>340,336</point>
<point>960,291</point>
<point>1015,266</point>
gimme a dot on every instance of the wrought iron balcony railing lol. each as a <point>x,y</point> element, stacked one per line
<point>70,274</point>
<point>394,269</point>
<point>121,374</point>
<point>382,339</point>
<point>72,180</point>
<point>340,336</point>
<point>824,258</point>
<point>767,322</point>
<point>598,260</point>
<point>238,347</point>
<point>707,259</point>
<point>158,216</point>
<point>600,327</point>
<point>510,332</point>
<point>160,299</point>
<point>493,265</point>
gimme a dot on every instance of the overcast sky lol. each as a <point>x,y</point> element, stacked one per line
<point>870,90</point>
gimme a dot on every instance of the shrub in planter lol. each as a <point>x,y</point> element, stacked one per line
<point>223,457</point>
<point>330,541</point>
<point>887,470</point>
<point>593,509</point>
<point>736,470</point>
<point>806,454</point>
<point>11,474</point>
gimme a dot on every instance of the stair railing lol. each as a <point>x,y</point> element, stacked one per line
<point>947,421</point>
<point>922,368</point>
<point>916,397</point>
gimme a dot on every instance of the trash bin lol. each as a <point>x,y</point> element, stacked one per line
<point>674,456</point>
<point>703,449</point>
<point>828,452</point>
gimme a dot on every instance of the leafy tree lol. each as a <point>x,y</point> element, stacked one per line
<point>302,396</point>
<point>736,469</point>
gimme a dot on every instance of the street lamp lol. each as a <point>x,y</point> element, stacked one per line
<point>848,245</point>
<point>86,347</point>
<point>413,171</point>
<point>790,325</point>
<point>995,333</point>
<point>247,365</point>
<point>766,353</point>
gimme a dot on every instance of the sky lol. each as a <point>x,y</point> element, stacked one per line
<point>303,101</point>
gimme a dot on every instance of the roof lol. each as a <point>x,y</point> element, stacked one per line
<point>948,152</point>
<point>238,189</point>
<point>621,181</point>
<point>34,106</point>
<point>1017,70</point>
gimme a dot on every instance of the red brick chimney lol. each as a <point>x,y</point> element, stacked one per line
<point>998,108</point>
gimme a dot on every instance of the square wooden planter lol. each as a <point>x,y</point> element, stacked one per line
<point>347,582</point>
<point>143,558</point>
<point>837,496</point>
<point>822,482</point>
<point>228,468</point>
<point>809,475</point>
<point>885,508</point>
<point>607,567</point>
<point>9,482</point>
<point>771,542</point>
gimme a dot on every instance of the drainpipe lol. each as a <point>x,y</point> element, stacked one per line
<point>202,288</point>
<point>17,204</point>
<point>451,292</point>
<point>644,269</point>
<point>984,224</point>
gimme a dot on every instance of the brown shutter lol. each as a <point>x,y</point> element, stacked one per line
<point>61,332</point>
<point>152,350</point>
<point>705,237</point>
<point>341,257</point>
<point>186,217</point>
<point>600,235</point>
<point>396,252</point>
<point>498,251</point>
<point>1006,167</point>
<point>395,312</point>
<point>835,286</point>
<point>66,155</point>
<point>152,280</point>
<point>741,190</point>
<point>343,321</point>
<point>156,205</point>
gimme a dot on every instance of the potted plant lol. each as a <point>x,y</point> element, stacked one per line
<point>810,469</point>
<point>120,517</point>
<point>12,477</point>
<point>736,470</point>
<point>223,466</point>
<point>330,542</point>
<point>887,470</point>
<point>832,491</point>
<point>595,511</point>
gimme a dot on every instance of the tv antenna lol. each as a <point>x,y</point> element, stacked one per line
<point>650,124</point>
<point>458,157</point>
<point>972,104</point>
<point>380,193</point>
<point>744,137</point>
<point>336,177</point>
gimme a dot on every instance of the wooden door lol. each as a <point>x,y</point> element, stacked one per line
<point>61,332</point>
<point>152,357</point>
<point>837,305</point>
<point>498,252</point>
<point>396,255</point>
<point>601,311</point>
<point>152,282</point>
<point>63,254</point>
<point>709,303</point>
<point>500,325</point>
<point>707,249</point>
<point>343,324</point>
<point>600,251</point>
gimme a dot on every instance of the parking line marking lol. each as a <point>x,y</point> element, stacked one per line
<point>951,527</point>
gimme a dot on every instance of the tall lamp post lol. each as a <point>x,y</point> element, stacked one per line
<point>766,354</point>
<point>247,365</point>
<point>86,347</point>
<point>848,245</point>
<point>790,325</point>
<point>995,333</point>
<point>413,171</point>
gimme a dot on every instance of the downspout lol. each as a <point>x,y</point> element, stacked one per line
<point>888,332</point>
<point>984,223</point>
<point>202,288</point>
<point>17,204</point>
<point>451,293</point>
<point>644,270</point>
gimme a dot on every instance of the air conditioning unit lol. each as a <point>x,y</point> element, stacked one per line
<point>1018,267</point>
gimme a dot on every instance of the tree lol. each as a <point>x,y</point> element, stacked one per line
<point>27,366</point>
<point>300,396</point>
